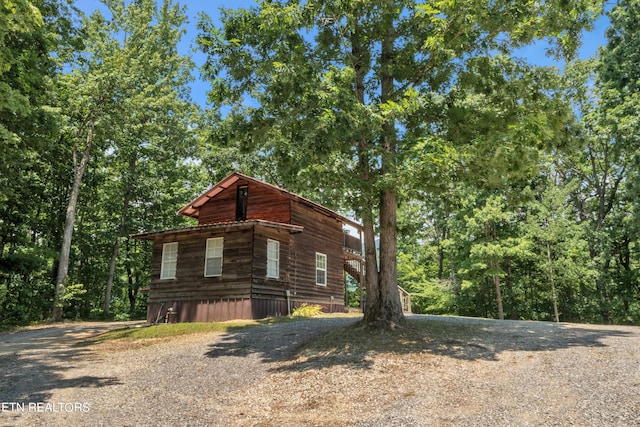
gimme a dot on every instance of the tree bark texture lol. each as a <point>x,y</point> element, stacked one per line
<point>554,295</point>
<point>496,282</point>
<point>63,265</point>
<point>116,245</point>
<point>386,310</point>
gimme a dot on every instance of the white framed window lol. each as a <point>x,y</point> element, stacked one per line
<point>321,269</point>
<point>213,257</point>
<point>169,260</point>
<point>273,259</point>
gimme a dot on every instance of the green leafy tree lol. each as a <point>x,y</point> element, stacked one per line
<point>560,245</point>
<point>357,96</point>
<point>495,241</point>
<point>34,39</point>
<point>604,172</point>
<point>618,121</point>
<point>126,96</point>
<point>32,34</point>
<point>156,115</point>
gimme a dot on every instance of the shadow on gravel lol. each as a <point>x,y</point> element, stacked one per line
<point>275,343</point>
<point>318,343</point>
<point>33,366</point>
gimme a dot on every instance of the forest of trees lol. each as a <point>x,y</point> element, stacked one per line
<point>488,186</point>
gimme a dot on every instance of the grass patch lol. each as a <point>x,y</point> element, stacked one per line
<point>161,331</point>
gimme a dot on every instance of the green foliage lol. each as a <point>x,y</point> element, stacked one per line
<point>120,76</point>
<point>428,295</point>
<point>71,299</point>
<point>352,291</point>
<point>492,175</point>
<point>25,291</point>
<point>367,100</point>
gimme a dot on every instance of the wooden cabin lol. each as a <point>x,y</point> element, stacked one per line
<point>257,251</point>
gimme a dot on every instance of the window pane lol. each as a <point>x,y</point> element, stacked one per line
<point>321,261</point>
<point>272,249</point>
<point>214,267</point>
<point>213,257</point>
<point>321,269</point>
<point>169,260</point>
<point>273,259</point>
<point>272,269</point>
<point>170,271</point>
<point>214,247</point>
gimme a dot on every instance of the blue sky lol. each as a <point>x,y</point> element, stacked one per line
<point>535,54</point>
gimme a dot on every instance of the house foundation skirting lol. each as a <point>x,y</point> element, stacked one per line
<point>220,310</point>
<point>199,311</point>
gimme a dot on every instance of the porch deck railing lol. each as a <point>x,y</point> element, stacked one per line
<point>352,244</point>
<point>405,300</point>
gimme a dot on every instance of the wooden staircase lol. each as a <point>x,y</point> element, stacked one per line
<point>355,268</point>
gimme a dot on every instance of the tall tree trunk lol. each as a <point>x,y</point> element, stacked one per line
<point>387,312</point>
<point>514,315</point>
<point>132,288</point>
<point>112,270</point>
<point>441,254</point>
<point>371,266</point>
<point>492,236</point>
<point>367,200</point>
<point>389,307</point>
<point>452,275</point>
<point>63,265</point>
<point>496,282</point>
<point>121,233</point>
<point>554,296</point>
<point>601,283</point>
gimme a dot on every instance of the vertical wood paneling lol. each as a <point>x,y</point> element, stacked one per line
<point>201,311</point>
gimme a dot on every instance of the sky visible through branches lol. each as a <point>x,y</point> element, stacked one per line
<point>534,54</point>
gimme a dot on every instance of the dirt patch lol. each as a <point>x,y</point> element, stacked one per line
<point>55,335</point>
<point>436,371</point>
<point>455,371</point>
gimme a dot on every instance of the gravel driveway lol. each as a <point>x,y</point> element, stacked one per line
<point>504,373</point>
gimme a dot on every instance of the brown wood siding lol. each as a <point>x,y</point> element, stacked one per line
<point>261,285</point>
<point>190,282</point>
<point>263,203</point>
<point>243,290</point>
<point>324,235</point>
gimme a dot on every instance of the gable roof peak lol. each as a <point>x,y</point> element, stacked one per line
<point>192,209</point>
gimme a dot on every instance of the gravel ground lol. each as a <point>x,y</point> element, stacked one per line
<point>500,373</point>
